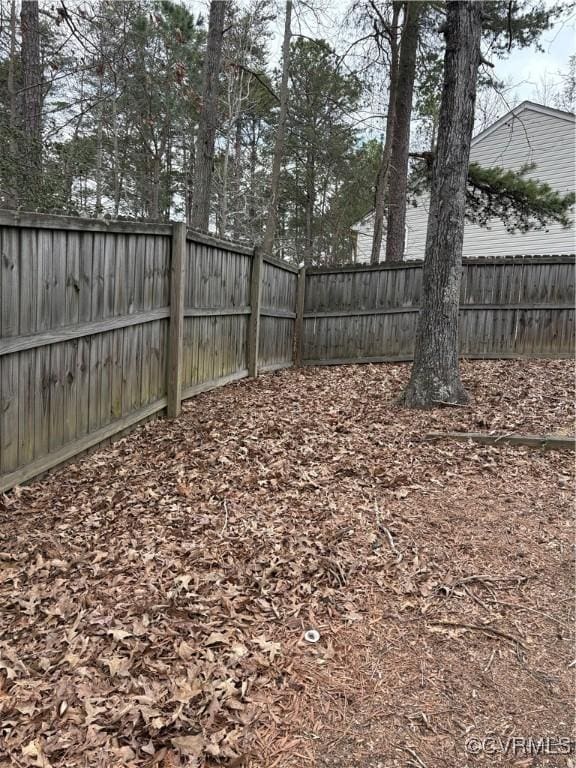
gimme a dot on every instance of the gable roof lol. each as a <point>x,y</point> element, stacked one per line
<point>512,114</point>
<point>525,106</point>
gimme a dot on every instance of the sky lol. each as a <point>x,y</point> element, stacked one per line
<point>529,74</point>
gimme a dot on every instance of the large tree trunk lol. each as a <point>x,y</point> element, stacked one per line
<point>382,178</point>
<point>435,374</point>
<point>398,175</point>
<point>31,102</point>
<point>208,117</point>
<point>272,215</point>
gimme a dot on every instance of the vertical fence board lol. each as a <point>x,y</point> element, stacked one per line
<point>66,384</point>
<point>508,307</point>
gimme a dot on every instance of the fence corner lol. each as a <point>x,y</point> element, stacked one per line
<point>174,373</point>
<point>255,299</point>
<point>299,324</point>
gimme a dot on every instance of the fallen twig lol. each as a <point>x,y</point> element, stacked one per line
<point>411,752</point>
<point>225,519</point>
<point>548,442</point>
<point>393,547</point>
<point>448,404</point>
<point>490,660</point>
<point>479,628</point>
<point>533,610</point>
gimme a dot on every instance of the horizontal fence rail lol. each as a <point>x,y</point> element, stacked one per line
<point>104,324</point>
<point>508,308</point>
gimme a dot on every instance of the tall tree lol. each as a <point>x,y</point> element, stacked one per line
<point>398,175</point>
<point>272,216</point>
<point>208,118</point>
<point>31,101</point>
<point>435,376</point>
<point>320,142</point>
<point>391,33</point>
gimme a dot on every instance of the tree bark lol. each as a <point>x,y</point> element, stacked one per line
<point>435,376</point>
<point>31,103</point>
<point>208,118</point>
<point>398,175</point>
<point>383,171</point>
<point>272,215</point>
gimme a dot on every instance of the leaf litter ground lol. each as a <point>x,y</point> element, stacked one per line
<point>155,593</point>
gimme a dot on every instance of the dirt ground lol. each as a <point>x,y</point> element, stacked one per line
<point>154,595</point>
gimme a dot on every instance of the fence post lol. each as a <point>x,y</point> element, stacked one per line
<point>299,324</point>
<point>254,327</point>
<point>176,332</point>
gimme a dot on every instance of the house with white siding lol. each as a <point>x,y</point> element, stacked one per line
<point>529,134</point>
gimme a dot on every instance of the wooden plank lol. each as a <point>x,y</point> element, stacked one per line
<point>175,373</point>
<point>18,344</point>
<point>547,442</point>
<point>70,391</point>
<point>313,361</point>
<point>254,326</point>
<point>97,281</point>
<point>202,238</point>
<point>404,310</point>
<point>58,287</point>
<point>284,314</point>
<point>156,386</point>
<point>299,325</point>
<point>216,311</point>
<point>9,282</point>
<point>11,218</point>
<point>56,433</point>
<point>52,460</point>
<point>26,388</point>
<point>204,386</point>
<point>145,337</point>
<point>94,383</point>
<point>279,264</point>
<point>105,392</point>
<point>41,401</point>
<point>9,413</point>
<point>412,265</point>
<point>86,244</point>
<point>72,285</point>
<point>28,299</point>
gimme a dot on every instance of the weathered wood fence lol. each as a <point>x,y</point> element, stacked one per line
<point>515,307</point>
<point>105,324</point>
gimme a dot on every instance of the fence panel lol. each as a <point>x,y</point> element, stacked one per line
<point>508,308</point>
<point>83,327</point>
<point>216,313</point>
<point>87,327</point>
<point>277,315</point>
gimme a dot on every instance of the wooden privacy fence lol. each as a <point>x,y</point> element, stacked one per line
<point>511,307</point>
<point>103,325</point>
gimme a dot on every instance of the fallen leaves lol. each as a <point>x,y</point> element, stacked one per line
<point>156,593</point>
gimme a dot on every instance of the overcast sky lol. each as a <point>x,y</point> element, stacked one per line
<point>527,71</point>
